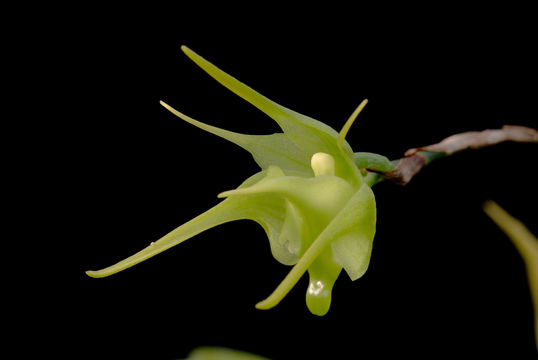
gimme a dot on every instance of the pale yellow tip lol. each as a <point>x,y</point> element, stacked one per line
<point>187,50</point>
<point>263,305</point>
<point>94,274</point>
<point>228,193</point>
<point>223,194</point>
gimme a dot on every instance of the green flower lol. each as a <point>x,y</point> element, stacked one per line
<point>310,197</point>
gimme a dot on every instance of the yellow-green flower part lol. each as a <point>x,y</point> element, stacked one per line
<point>220,353</point>
<point>310,197</point>
<point>527,245</point>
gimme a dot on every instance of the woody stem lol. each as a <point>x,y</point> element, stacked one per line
<point>415,159</point>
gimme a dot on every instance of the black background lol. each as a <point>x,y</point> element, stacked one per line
<point>442,278</point>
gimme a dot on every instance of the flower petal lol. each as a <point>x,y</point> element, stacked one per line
<point>353,244</point>
<point>355,215</point>
<point>319,197</point>
<point>275,149</point>
<point>289,120</point>
<point>266,209</point>
<point>307,134</point>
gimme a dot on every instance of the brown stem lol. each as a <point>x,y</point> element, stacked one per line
<point>415,159</point>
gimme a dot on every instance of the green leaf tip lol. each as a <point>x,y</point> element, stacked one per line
<point>526,244</point>
<point>220,353</point>
<point>309,196</point>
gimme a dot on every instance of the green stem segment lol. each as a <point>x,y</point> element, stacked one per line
<point>429,156</point>
<point>400,171</point>
<point>372,161</point>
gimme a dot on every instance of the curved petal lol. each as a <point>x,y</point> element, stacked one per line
<point>307,134</point>
<point>275,149</point>
<point>290,121</point>
<point>266,209</point>
<point>353,245</point>
<point>321,197</point>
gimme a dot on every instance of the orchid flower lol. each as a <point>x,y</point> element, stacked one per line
<point>310,197</point>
